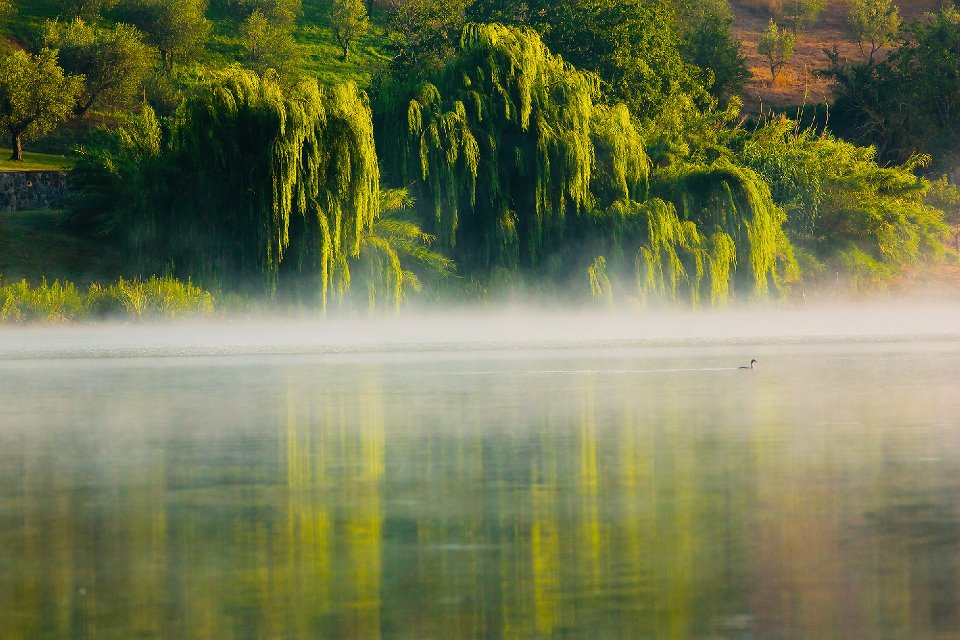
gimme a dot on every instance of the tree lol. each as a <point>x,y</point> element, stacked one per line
<point>708,42</point>
<point>800,14</point>
<point>177,28</point>
<point>87,9</point>
<point>113,61</point>
<point>35,96</point>
<point>777,47</point>
<point>634,46</point>
<point>909,102</point>
<point>348,19</point>
<point>270,46</point>
<point>875,23</point>
<point>426,34</point>
<point>255,183</point>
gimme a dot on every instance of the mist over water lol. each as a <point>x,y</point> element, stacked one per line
<point>483,329</point>
<point>505,474</point>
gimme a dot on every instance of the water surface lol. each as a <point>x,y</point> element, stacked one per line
<point>156,485</point>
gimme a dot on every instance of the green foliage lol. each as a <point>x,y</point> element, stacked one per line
<point>19,302</point>
<point>874,23</point>
<point>839,200</point>
<point>634,46</point>
<point>308,179</point>
<point>946,197</point>
<point>155,298</point>
<point>725,197</point>
<point>270,45</point>
<point>509,116</point>
<point>6,10</point>
<point>35,95</point>
<point>911,100</point>
<point>777,47</point>
<point>86,9</point>
<point>801,14</point>
<point>113,61</point>
<point>425,35</point>
<point>519,169</point>
<point>115,178</point>
<point>177,28</point>
<point>396,254</point>
<point>708,42</point>
<point>349,21</point>
<point>255,182</point>
<point>600,287</point>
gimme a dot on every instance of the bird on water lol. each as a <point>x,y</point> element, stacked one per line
<point>752,362</point>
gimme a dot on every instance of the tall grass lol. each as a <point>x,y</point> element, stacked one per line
<point>60,302</point>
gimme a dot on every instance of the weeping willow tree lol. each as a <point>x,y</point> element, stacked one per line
<point>501,146</point>
<point>734,201</point>
<point>274,182</point>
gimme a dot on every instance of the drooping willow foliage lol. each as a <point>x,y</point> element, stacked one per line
<point>674,255</point>
<point>270,173</point>
<point>734,200</point>
<point>255,181</point>
<point>501,145</point>
<point>517,164</point>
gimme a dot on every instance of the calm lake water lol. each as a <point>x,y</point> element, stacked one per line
<point>596,489</point>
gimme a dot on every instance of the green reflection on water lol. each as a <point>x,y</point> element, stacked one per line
<point>347,504</point>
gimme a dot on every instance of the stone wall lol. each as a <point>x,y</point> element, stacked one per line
<point>32,190</point>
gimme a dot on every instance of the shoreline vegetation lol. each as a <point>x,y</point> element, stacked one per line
<point>156,298</point>
<point>596,153</point>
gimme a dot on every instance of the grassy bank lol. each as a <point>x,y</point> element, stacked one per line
<point>34,161</point>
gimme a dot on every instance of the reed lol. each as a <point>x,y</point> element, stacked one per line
<point>158,297</point>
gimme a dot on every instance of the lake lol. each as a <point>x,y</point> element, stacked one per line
<point>574,478</point>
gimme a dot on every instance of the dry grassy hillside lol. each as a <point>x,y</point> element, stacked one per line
<point>799,82</point>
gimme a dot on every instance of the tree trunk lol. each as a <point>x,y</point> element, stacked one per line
<point>346,50</point>
<point>16,147</point>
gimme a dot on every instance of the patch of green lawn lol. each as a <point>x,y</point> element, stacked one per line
<point>34,161</point>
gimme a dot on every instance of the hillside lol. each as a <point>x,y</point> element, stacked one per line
<point>800,82</point>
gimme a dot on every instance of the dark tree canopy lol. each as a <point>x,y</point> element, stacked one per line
<point>634,46</point>
<point>908,103</point>
<point>86,9</point>
<point>425,34</point>
<point>708,43</point>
